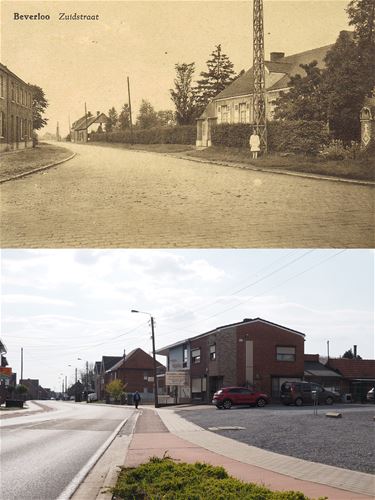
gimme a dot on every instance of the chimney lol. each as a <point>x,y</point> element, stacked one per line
<point>97,113</point>
<point>354,351</point>
<point>276,56</point>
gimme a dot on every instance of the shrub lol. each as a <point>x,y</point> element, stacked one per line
<point>158,135</point>
<point>306,137</point>
<point>336,150</point>
<point>164,478</point>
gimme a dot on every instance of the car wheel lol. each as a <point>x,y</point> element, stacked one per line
<point>261,402</point>
<point>227,403</point>
<point>219,407</point>
<point>329,400</point>
<point>298,402</point>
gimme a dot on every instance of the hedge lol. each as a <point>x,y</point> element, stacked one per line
<point>305,137</point>
<point>158,135</point>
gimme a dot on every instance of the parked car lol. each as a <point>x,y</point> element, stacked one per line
<point>230,396</point>
<point>300,393</point>
<point>370,395</point>
<point>92,397</point>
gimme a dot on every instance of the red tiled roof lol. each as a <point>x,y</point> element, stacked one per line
<point>353,368</point>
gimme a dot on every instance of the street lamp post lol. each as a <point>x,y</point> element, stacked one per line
<point>153,354</point>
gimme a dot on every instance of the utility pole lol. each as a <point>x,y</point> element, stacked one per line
<point>21,363</point>
<point>259,96</point>
<point>328,349</point>
<point>130,113</point>
<point>57,132</point>
<point>87,377</point>
<point>154,357</point>
<point>76,377</point>
<point>87,132</point>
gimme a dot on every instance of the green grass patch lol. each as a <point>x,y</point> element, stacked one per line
<point>26,160</point>
<point>163,478</point>
<point>153,148</point>
<point>359,169</point>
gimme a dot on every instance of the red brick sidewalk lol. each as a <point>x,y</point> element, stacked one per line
<point>151,438</point>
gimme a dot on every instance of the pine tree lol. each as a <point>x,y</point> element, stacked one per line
<point>124,117</point>
<point>112,120</point>
<point>219,75</point>
<point>183,95</point>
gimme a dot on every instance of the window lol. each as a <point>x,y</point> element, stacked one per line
<point>2,124</point>
<point>285,353</point>
<point>212,352</point>
<point>243,112</point>
<point>184,356</point>
<point>224,114</point>
<point>1,86</point>
<point>196,355</point>
<point>145,376</point>
<point>13,91</point>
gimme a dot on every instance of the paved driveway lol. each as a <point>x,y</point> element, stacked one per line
<point>117,198</point>
<point>343,442</point>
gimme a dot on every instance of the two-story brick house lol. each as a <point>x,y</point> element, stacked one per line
<point>251,352</point>
<point>16,115</point>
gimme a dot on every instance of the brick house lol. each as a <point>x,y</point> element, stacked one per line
<point>16,114</point>
<point>235,103</point>
<point>251,352</point>
<point>136,370</point>
<point>358,375</point>
<point>86,125</point>
<point>100,369</point>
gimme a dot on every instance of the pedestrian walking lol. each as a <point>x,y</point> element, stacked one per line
<point>254,143</point>
<point>136,398</point>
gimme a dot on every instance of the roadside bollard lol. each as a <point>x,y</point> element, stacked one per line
<point>315,402</point>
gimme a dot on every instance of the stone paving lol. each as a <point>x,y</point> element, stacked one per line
<point>117,198</point>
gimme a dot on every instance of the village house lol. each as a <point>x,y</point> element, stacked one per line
<point>100,368</point>
<point>82,128</point>
<point>136,371</point>
<point>253,352</point>
<point>16,115</point>
<point>358,376</point>
<point>235,103</point>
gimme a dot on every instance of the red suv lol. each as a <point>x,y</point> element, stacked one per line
<point>229,396</point>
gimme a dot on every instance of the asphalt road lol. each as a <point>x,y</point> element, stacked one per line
<point>108,197</point>
<point>42,453</point>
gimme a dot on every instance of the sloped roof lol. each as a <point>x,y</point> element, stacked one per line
<point>287,66</point>
<point>109,361</point>
<point>164,350</point>
<point>81,123</point>
<point>131,354</point>
<point>353,368</point>
<point>319,370</point>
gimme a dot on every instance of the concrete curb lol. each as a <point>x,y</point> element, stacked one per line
<point>35,170</point>
<point>273,171</point>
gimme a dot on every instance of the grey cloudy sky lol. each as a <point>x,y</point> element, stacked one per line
<point>82,61</point>
<point>63,304</point>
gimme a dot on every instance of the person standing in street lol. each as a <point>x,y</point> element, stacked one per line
<point>254,143</point>
<point>136,398</point>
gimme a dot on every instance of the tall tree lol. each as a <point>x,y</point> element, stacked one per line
<point>350,355</point>
<point>124,117</point>
<point>304,101</point>
<point>362,16</point>
<point>147,116</point>
<point>112,120</point>
<point>183,94</point>
<point>39,106</point>
<point>219,75</point>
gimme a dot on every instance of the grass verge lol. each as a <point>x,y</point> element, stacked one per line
<point>22,162</point>
<point>163,478</point>
<point>360,169</point>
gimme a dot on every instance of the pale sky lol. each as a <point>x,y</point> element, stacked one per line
<point>88,61</point>
<point>60,305</point>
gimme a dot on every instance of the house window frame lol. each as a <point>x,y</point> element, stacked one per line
<point>224,113</point>
<point>195,355</point>
<point>283,355</point>
<point>184,356</point>
<point>212,352</point>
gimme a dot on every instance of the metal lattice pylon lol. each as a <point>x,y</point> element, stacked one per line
<point>259,95</point>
